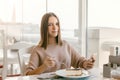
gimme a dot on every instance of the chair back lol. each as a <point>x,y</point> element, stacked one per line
<point>3,45</point>
<point>24,55</point>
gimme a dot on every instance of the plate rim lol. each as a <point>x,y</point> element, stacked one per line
<point>58,71</point>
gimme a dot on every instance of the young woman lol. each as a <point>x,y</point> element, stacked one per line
<point>52,53</point>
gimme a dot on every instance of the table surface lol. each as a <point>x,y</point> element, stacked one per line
<point>19,45</point>
<point>96,74</point>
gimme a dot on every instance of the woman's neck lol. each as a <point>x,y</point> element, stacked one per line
<point>52,41</point>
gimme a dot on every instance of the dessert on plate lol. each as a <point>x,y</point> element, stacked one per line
<point>73,72</point>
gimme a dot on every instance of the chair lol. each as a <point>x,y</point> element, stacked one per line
<point>4,60</point>
<point>24,55</point>
<point>1,48</point>
<point>12,50</point>
<point>3,52</point>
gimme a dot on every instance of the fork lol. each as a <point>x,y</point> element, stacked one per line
<point>63,65</point>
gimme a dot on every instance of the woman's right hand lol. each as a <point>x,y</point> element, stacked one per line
<point>49,62</point>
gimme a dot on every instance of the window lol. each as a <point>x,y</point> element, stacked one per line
<point>103,28</point>
<point>25,16</point>
<point>68,15</point>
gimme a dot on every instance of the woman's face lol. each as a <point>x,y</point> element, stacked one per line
<point>53,26</point>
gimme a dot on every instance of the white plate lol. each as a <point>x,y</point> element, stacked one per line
<point>62,73</point>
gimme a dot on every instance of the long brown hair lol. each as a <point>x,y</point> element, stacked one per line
<point>44,30</point>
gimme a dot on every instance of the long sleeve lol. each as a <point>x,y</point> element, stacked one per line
<point>76,59</point>
<point>34,61</point>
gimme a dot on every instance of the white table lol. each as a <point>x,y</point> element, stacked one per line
<point>96,75</point>
<point>19,45</point>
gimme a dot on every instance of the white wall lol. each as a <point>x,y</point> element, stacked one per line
<point>100,40</point>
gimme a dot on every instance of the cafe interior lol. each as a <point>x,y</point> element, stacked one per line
<point>92,27</point>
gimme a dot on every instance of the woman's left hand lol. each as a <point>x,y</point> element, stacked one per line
<point>89,63</point>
